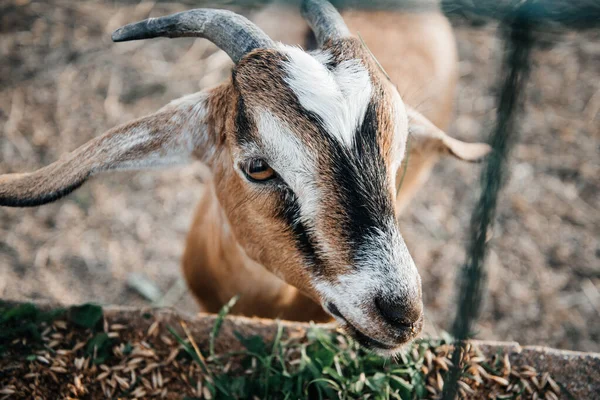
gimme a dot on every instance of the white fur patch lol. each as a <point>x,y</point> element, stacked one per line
<point>385,268</point>
<point>297,165</point>
<point>339,97</point>
<point>287,155</point>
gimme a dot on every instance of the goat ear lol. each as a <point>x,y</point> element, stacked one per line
<point>425,136</point>
<point>173,135</point>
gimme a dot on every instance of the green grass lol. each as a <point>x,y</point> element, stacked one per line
<point>328,366</point>
<point>323,365</point>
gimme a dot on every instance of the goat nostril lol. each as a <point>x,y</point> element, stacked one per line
<point>398,313</point>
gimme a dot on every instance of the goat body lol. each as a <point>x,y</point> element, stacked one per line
<point>304,149</point>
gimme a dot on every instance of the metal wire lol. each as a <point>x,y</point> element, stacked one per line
<point>518,42</point>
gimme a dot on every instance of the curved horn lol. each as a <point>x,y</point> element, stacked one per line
<point>231,32</point>
<point>325,21</point>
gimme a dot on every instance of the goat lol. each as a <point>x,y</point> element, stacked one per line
<point>299,215</point>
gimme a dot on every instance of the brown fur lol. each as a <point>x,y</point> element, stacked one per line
<point>423,65</point>
<point>238,243</point>
<point>215,267</point>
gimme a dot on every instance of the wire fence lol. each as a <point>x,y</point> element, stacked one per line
<point>518,22</point>
<point>580,14</point>
<point>518,38</point>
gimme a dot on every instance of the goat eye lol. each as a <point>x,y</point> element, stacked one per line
<point>258,170</point>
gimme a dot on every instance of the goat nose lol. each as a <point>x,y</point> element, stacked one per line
<point>401,313</point>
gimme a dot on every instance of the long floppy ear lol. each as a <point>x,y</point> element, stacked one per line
<point>175,134</point>
<point>427,137</point>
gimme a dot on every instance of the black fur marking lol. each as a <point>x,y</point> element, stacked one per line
<point>359,184</point>
<point>290,213</point>
<point>43,199</point>
<point>243,124</point>
<point>360,178</point>
<point>362,182</point>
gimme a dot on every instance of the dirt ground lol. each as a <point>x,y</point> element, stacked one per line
<point>62,82</point>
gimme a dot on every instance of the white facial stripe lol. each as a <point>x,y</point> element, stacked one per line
<point>291,159</point>
<point>355,83</point>
<point>385,268</point>
<point>297,166</point>
<point>340,97</point>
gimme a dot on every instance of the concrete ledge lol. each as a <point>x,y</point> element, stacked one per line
<point>578,372</point>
